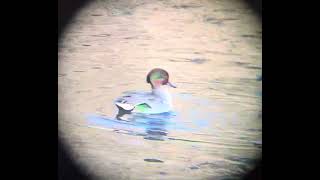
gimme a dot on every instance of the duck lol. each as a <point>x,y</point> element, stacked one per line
<point>158,101</point>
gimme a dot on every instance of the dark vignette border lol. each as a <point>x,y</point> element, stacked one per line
<point>67,169</point>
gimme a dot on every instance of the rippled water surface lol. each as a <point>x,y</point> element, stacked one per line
<point>212,50</point>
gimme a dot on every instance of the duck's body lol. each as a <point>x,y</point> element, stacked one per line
<point>157,101</point>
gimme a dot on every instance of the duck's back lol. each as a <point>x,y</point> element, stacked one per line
<point>142,102</point>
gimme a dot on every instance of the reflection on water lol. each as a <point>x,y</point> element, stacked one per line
<point>152,127</point>
<point>212,50</point>
<point>157,126</point>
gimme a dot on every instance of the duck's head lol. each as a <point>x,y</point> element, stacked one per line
<point>158,77</point>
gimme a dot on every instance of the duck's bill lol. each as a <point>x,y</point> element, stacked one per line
<point>171,85</point>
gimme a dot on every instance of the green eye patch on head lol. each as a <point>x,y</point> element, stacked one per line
<point>156,75</point>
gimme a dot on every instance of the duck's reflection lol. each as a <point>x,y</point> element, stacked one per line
<point>155,126</point>
<point>156,129</point>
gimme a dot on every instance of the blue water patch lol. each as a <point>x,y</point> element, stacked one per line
<point>112,123</point>
<point>195,116</point>
<point>153,127</point>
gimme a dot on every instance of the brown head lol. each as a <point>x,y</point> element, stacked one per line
<point>158,77</point>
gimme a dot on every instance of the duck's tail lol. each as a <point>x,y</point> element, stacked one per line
<point>124,106</point>
<point>123,109</point>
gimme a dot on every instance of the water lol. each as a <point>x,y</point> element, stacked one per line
<point>212,51</point>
